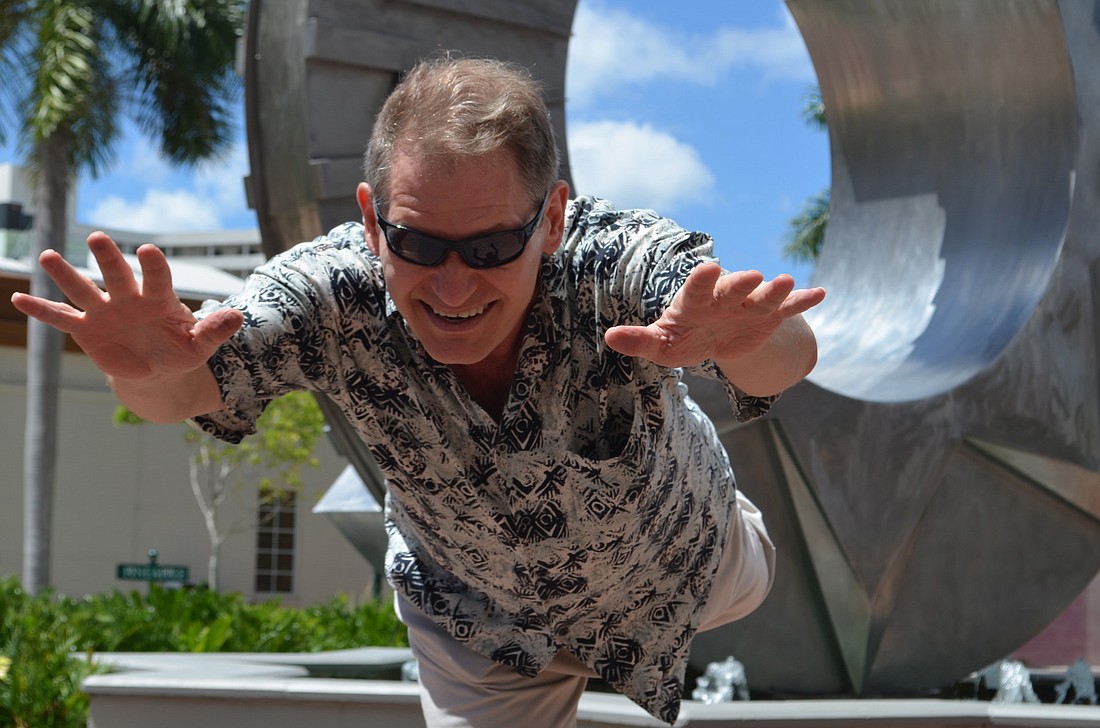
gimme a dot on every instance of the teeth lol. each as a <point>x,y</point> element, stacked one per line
<point>463,315</point>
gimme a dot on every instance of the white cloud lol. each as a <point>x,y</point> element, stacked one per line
<point>198,201</point>
<point>636,165</point>
<point>778,52</point>
<point>158,211</point>
<point>612,47</point>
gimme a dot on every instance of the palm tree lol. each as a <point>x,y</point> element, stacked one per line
<point>806,231</point>
<point>68,69</point>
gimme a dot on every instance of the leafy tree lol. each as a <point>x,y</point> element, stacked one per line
<point>68,68</point>
<point>271,460</point>
<point>806,231</point>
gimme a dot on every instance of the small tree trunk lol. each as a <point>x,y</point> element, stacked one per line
<point>212,565</point>
<point>44,346</point>
<point>204,470</point>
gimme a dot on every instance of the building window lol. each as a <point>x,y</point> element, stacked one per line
<point>275,542</point>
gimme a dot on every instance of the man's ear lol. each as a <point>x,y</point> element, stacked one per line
<point>555,216</point>
<point>370,224</point>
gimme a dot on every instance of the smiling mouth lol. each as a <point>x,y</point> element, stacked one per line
<point>461,316</point>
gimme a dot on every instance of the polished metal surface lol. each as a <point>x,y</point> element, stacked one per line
<point>933,489</point>
<point>954,144</point>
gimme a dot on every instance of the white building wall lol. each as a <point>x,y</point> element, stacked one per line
<point>15,186</point>
<point>122,490</point>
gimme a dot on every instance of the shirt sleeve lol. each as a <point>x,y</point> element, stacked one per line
<point>642,260</point>
<point>746,407</point>
<point>290,340</point>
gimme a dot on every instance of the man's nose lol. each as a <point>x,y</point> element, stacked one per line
<point>453,281</point>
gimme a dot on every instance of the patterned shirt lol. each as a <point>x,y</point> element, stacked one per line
<point>590,518</point>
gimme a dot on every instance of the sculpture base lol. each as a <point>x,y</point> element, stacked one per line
<point>275,691</point>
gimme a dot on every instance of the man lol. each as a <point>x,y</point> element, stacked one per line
<point>558,507</point>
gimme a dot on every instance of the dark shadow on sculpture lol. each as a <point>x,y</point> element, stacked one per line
<point>933,487</point>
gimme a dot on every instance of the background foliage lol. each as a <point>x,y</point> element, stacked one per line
<point>48,642</point>
<point>269,462</point>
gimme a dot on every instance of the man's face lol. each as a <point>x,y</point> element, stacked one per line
<point>463,315</point>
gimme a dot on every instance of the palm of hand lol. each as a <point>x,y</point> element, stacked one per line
<point>717,317</point>
<point>139,338</point>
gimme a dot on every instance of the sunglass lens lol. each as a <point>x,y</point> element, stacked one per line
<point>417,248</point>
<point>493,250</point>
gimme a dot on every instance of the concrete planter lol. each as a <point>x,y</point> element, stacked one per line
<point>276,691</point>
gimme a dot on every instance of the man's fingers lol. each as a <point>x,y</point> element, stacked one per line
<point>118,277</point>
<point>737,286</point>
<point>59,315</point>
<point>156,275</point>
<point>778,289</point>
<point>78,288</point>
<point>801,301</point>
<point>699,288</point>
<point>777,295</point>
<point>765,296</point>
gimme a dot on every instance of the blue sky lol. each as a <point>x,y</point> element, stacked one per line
<point>691,108</point>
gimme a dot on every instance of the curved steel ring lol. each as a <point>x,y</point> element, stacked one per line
<point>933,487</point>
<point>939,502</point>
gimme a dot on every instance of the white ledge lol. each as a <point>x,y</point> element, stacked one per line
<point>173,690</point>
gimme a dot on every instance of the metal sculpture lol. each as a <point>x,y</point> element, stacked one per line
<point>939,501</point>
<point>934,486</point>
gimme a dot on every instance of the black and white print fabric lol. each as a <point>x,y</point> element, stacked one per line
<point>590,518</point>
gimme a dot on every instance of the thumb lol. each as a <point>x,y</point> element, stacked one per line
<point>213,331</point>
<point>632,340</point>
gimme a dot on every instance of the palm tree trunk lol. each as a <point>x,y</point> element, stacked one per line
<point>44,345</point>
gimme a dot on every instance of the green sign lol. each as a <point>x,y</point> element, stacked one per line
<point>152,571</point>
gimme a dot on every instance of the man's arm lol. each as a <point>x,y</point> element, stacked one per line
<point>751,328</point>
<point>148,343</point>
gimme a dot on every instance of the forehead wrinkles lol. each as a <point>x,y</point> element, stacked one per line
<point>456,198</point>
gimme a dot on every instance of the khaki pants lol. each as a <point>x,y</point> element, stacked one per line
<point>461,689</point>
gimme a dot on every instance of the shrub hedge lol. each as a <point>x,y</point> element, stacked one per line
<point>48,642</point>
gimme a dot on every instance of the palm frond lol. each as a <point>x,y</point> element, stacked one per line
<point>96,130</point>
<point>65,62</point>
<point>16,25</point>
<point>813,111</point>
<point>181,59</point>
<point>806,231</point>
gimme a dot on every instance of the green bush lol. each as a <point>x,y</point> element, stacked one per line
<point>200,620</point>
<point>40,677</point>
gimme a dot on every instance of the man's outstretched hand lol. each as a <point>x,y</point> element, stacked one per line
<point>745,324</point>
<point>132,330</point>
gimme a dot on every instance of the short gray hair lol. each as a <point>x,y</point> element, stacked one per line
<point>449,108</point>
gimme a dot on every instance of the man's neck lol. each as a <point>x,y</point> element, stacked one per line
<point>488,382</point>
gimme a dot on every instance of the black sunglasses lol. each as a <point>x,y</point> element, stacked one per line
<point>481,251</point>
